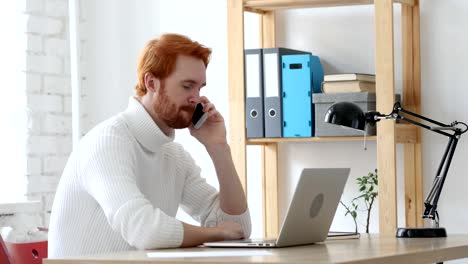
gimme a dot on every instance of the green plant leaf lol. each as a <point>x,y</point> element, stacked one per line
<point>368,191</point>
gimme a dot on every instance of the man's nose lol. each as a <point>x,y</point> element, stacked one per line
<point>194,100</point>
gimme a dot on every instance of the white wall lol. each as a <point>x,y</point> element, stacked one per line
<point>342,37</point>
<point>48,99</point>
<point>444,66</point>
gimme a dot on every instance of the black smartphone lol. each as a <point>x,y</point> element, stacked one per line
<point>199,117</point>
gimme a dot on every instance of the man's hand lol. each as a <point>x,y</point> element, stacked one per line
<point>196,235</point>
<point>213,131</point>
<point>230,231</point>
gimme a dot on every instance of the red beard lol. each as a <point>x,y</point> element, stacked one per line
<point>168,112</point>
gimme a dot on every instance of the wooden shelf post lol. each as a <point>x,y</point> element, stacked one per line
<point>270,150</point>
<point>386,138</point>
<point>412,102</point>
<point>235,23</point>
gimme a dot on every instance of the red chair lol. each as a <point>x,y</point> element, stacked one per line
<point>28,252</point>
<point>4,256</point>
<point>23,253</point>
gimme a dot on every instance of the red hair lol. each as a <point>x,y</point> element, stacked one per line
<point>159,57</point>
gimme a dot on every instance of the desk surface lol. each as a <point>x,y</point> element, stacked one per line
<point>368,249</point>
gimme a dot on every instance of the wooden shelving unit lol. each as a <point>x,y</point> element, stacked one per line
<point>388,133</point>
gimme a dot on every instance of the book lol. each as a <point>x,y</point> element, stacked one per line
<point>335,235</point>
<point>348,87</point>
<point>349,77</point>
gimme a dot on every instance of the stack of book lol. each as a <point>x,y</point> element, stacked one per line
<point>348,83</point>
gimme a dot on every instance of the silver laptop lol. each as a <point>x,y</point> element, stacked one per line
<point>310,212</point>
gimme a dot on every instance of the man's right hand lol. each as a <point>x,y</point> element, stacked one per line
<point>230,231</point>
<point>196,235</point>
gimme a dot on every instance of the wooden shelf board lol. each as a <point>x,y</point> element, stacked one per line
<point>260,6</point>
<point>405,134</point>
<point>261,141</point>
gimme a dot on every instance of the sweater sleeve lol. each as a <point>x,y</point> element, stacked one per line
<point>201,200</point>
<point>108,175</point>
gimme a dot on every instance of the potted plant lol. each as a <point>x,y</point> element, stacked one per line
<point>367,193</point>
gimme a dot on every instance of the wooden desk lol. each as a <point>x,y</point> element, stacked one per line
<point>373,249</point>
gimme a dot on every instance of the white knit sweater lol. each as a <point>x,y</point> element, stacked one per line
<point>121,189</point>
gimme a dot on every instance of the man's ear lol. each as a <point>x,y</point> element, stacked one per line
<point>152,83</point>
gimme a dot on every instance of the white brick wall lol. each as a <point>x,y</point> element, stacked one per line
<point>34,122</point>
<point>57,85</point>
<point>34,6</point>
<point>67,104</point>
<point>83,58</point>
<point>42,184</point>
<point>56,8</point>
<point>47,74</point>
<point>33,83</point>
<point>45,25</point>
<point>34,43</point>
<point>45,103</point>
<point>49,145</point>
<point>57,46</point>
<point>49,140</point>
<point>57,124</point>
<point>54,164</point>
<point>22,216</point>
<point>44,64</point>
<point>34,165</point>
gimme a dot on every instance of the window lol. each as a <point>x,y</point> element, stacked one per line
<point>13,121</point>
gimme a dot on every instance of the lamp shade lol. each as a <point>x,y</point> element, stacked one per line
<point>346,114</point>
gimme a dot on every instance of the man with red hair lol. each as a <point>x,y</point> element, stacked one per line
<point>122,186</point>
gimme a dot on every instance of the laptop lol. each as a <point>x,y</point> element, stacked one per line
<point>310,212</point>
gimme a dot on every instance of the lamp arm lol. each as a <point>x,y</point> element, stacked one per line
<point>398,113</point>
<point>432,198</point>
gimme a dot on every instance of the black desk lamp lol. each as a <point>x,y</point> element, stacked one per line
<point>350,115</point>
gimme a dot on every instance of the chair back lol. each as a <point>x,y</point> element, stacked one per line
<point>27,252</point>
<point>4,256</point>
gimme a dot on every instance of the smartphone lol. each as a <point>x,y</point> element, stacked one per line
<point>199,117</point>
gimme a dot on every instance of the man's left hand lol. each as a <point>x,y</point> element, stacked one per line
<point>213,131</point>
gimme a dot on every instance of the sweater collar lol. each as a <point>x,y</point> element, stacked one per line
<point>143,128</point>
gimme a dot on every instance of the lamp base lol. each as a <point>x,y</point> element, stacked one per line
<point>421,232</point>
